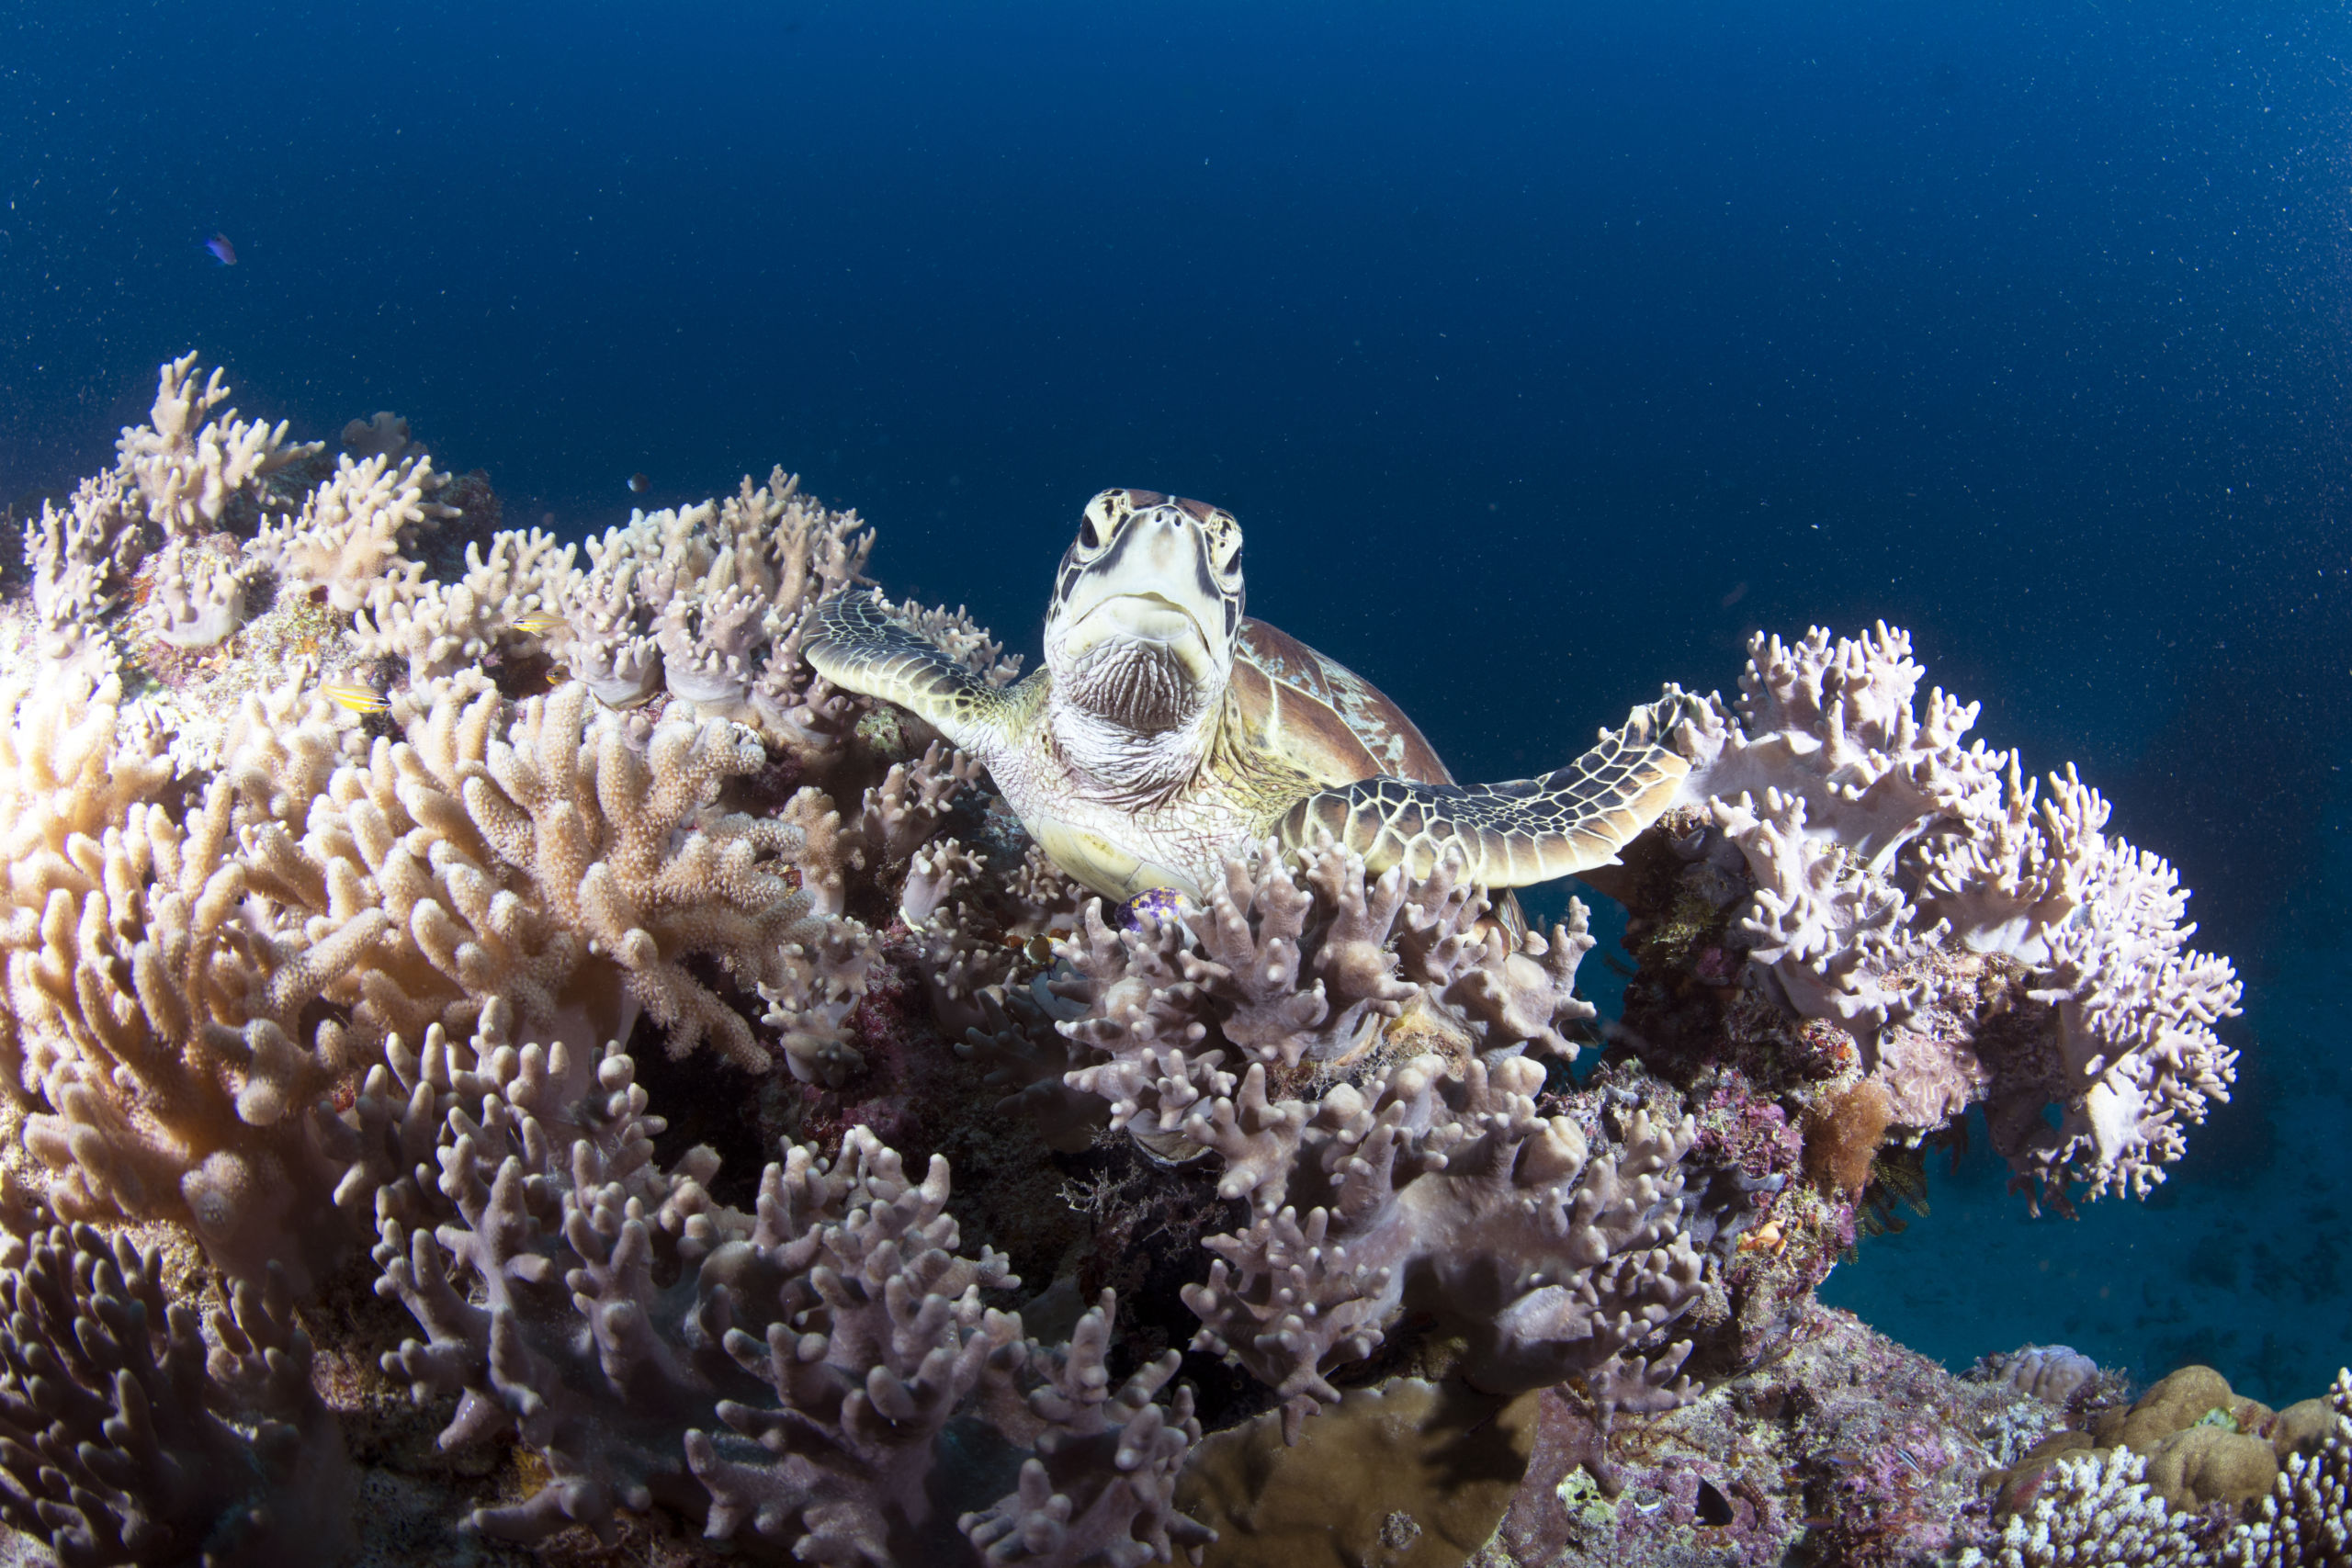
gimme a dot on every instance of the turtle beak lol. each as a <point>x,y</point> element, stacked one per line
<point>1138,635</point>
<point>1152,586</point>
<point>1151,618</point>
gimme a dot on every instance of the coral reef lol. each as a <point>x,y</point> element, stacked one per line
<point>168,983</point>
<point>374,877</point>
<point>1847,1450</point>
<point>1973,941</point>
<point>2096,1508</point>
<point>131,1434</point>
<point>196,596</point>
<point>2307,1518</point>
<point>346,541</point>
<point>1419,1469</point>
<point>187,476</point>
<point>440,630</point>
<point>2198,1472</point>
<point>81,558</point>
<point>2055,1373</point>
<point>711,604</point>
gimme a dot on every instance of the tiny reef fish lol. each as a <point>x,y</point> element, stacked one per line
<point>222,250</point>
<point>640,483</point>
<point>538,622</point>
<point>352,696</point>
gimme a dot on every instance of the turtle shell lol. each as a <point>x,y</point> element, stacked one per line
<point>1321,717</point>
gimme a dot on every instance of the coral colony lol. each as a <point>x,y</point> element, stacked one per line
<point>497,1048</point>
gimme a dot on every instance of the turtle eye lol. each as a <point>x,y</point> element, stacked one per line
<point>1098,520</point>
<point>1225,548</point>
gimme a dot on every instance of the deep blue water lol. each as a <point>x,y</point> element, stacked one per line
<point>1543,357</point>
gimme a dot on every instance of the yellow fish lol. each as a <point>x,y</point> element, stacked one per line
<point>538,622</point>
<point>352,696</point>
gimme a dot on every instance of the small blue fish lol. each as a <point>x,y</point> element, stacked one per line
<point>222,250</point>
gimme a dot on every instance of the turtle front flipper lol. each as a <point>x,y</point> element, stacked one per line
<point>856,646</point>
<point>1507,834</point>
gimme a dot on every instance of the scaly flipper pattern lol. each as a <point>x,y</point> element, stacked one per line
<point>1513,833</point>
<point>859,647</point>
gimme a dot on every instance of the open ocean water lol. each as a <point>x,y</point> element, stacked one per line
<point>1543,352</point>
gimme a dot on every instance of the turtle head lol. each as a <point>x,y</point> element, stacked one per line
<point>1147,610</point>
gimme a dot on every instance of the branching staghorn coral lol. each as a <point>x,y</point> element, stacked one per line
<point>2096,1510</point>
<point>1100,1485</point>
<point>1300,973</point>
<point>1252,962</point>
<point>71,765</point>
<point>196,597</point>
<point>166,990</point>
<point>82,557</point>
<point>968,925</point>
<point>71,769</point>
<point>870,1335</point>
<point>712,601</point>
<point>348,535</point>
<point>959,954</point>
<point>894,818</point>
<point>791,1375</point>
<point>1902,879</point>
<point>1444,1191</point>
<point>128,1435</point>
<point>1429,1183</point>
<point>188,473</point>
<point>162,1003</point>
<point>827,971</point>
<point>548,1208</point>
<point>618,852</point>
<point>440,629</point>
<point>2306,1521</point>
<point>877,1351</point>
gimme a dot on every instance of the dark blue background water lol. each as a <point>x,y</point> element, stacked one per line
<point>1543,357</point>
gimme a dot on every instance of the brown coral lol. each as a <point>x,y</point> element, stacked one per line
<point>1842,1134</point>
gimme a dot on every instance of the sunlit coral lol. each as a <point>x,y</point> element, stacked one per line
<point>193,457</point>
<point>347,540</point>
<point>1903,879</point>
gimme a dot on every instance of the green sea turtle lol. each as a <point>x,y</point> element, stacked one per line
<point>1166,730</point>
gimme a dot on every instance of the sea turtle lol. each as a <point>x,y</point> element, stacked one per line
<point>1166,730</point>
